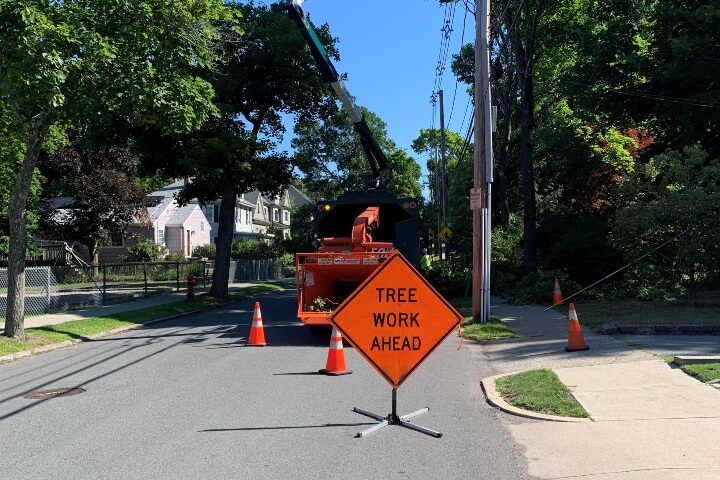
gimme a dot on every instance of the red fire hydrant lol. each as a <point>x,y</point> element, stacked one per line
<point>191,282</point>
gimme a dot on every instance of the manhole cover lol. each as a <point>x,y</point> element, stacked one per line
<point>55,392</point>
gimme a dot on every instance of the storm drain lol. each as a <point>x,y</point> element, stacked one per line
<point>53,393</point>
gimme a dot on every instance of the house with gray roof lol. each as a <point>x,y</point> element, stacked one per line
<point>182,229</point>
<point>257,216</point>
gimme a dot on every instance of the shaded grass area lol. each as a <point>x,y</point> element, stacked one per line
<point>703,310</point>
<point>705,372</point>
<point>492,330</point>
<point>539,391</point>
<point>82,329</point>
<point>471,330</point>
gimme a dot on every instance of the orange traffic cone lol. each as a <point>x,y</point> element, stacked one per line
<point>335,364</point>
<point>257,334</point>
<point>557,294</point>
<point>576,341</point>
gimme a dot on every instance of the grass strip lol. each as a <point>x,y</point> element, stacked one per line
<point>705,372</point>
<point>539,391</point>
<point>492,330</point>
<point>82,329</point>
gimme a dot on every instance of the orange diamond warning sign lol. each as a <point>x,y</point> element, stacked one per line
<point>395,319</point>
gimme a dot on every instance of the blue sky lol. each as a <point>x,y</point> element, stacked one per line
<point>391,50</point>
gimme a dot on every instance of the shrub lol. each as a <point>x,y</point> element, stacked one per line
<point>286,265</point>
<point>650,282</point>
<point>175,257</point>
<point>450,277</point>
<point>144,251</point>
<point>251,250</point>
<point>206,251</point>
<point>538,288</point>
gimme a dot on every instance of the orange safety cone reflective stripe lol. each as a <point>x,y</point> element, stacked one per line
<point>335,364</point>
<point>257,333</point>
<point>557,294</point>
<point>576,341</point>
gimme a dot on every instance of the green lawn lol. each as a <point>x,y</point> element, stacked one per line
<point>81,329</point>
<point>704,310</point>
<point>539,391</point>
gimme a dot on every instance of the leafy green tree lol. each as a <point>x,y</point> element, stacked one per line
<point>263,72</point>
<point>331,158</point>
<point>11,155</point>
<point>682,91</point>
<point>72,63</point>
<point>302,227</point>
<point>459,158</point>
<point>671,220</point>
<point>105,198</point>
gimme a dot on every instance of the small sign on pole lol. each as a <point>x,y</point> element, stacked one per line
<point>475,199</point>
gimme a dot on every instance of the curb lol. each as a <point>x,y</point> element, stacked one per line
<point>67,343</point>
<point>54,346</point>
<point>494,399</point>
<point>695,359</point>
<point>660,329</point>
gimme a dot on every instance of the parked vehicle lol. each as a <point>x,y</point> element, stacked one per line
<point>356,232</point>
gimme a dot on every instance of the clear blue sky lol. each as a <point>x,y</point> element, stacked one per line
<point>391,50</point>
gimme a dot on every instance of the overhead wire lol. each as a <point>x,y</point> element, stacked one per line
<point>446,30</point>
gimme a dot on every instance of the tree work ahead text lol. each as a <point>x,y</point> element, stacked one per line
<point>396,320</point>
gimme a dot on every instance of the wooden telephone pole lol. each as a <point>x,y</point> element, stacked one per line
<point>482,178</point>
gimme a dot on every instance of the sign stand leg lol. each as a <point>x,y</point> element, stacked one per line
<point>393,419</point>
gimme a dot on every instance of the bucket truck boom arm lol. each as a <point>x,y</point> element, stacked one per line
<point>378,161</point>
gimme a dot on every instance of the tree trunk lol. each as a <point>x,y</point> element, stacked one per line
<point>503,180</point>
<point>528,178</point>
<point>524,58</point>
<point>226,224</point>
<point>15,316</point>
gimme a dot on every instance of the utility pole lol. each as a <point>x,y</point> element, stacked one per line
<point>438,201</point>
<point>482,177</point>
<point>443,255</point>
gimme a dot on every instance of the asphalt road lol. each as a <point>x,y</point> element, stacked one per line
<point>187,399</point>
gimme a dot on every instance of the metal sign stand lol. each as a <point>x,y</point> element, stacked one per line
<point>393,419</point>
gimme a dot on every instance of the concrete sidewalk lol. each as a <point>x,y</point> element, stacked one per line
<point>648,420</point>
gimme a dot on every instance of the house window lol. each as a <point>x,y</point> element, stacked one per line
<point>276,215</point>
<point>265,211</point>
<point>286,214</point>
<point>202,226</point>
<point>257,209</point>
<point>116,240</point>
<point>209,213</point>
<point>161,236</point>
<point>247,217</point>
<point>216,213</point>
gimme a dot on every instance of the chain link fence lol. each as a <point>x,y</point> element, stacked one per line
<point>60,288</point>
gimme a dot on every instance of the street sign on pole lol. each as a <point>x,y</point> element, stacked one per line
<point>445,234</point>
